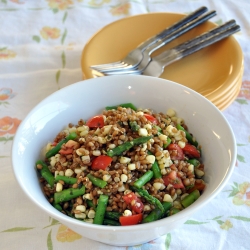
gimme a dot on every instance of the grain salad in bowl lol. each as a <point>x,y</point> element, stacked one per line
<point>125,166</point>
<point>55,125</point>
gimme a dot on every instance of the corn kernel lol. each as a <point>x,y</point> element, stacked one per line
<point>78,171</point>
<point>81,208</point>
<point>127,213</point>
<point>150,158</point>
<point>121,188</point>
<point>59,187</point>
<point>124,159</point>
<point>143,132</point>
<point>157,185</point>
<point>170,112</point>
<point>89,221</point>
<point>131,166</point>
<point>80,216</point>
<point>101,140</point>
<point>167,198</point>
<point>163,137</point>
<point>191,167</point>
<point>148,126</point>
<point>106,177</point>
<point>69,172</point>
<point>91,214</point>
<point>181,144</point>
<point>124,178</point>
<point>96,152</point>
<point>85,158</point>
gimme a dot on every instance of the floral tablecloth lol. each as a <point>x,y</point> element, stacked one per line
<point>40,49</point>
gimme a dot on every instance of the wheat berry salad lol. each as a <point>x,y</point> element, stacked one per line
<point>126,166</point>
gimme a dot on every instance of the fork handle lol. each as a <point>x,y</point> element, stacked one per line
<point>205,35</point>
<point>172,28</point>
<point>160,43</point>
<point>215,38</point>
<point>209,38</point>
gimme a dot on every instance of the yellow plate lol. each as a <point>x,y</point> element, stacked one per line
<point>226,103</point>
<point>211,71</point>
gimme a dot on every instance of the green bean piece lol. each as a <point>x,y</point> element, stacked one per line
<point>66,179</point>
<point>189,137</point>
<point>124,105</point>
<point>68,194</point>
<point>127,145</point>
<point>58,146</point>
<point>155,168</point>
<point>158,129</point>
<point>109,222</point>
<point>144,179</point>
<point>91,204</point>
<point>191,198</point>
<point>151,199</point>
<point>194,162</point>
<point>112,215</point>
<point>58,207</point>
<point>96,181</point>
<point>45,173</point>
<point>165,145</point>
<point>101,209</point>
<point>157,214</point>
<point>134,126</point>
<point>173,211</point>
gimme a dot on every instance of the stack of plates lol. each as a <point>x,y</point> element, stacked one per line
<point>215,72</point>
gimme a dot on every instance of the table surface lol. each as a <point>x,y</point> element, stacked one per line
<point>40,49</point>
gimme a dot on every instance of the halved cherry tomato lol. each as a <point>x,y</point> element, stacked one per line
<point>179,153</point>
<point>134,202</point>
<point>198,185</point>
<point>172,178</point>
<point>191,151</point>
<point>101,162</point>
<point>95,122</point>
<point>131,220</point>
<point>66,151</point>
<point>151,118</point>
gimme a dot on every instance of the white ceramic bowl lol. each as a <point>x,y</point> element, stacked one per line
<point>87,98</point>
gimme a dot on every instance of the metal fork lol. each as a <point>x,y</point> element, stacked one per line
<point>162,42</point>
<point>135,56</point>
<point>158,63</point>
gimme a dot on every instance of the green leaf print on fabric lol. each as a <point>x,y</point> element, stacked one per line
<point>17,229</point>
<point>49,241</point>
<point>167,241</point>
<point>6,139</point>
<point>194,222</point>
<point>241,101</point>
<point>63,59</point>
<point>64,36</point>
<point>241,158</point>
<point>58,75</point>
<point>217,217</point>
<point>65,16</point>
<point>53,223</point>
<point>241,218</point>
<point>36,38</point>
